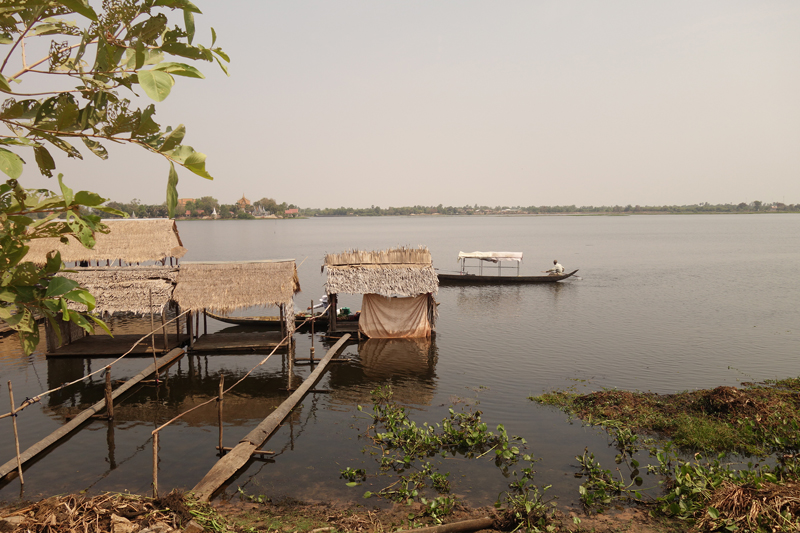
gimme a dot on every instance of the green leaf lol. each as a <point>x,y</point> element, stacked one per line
<point>81,7</point>
<point>59,286</point>
<point>96,148</point>
<point>353,484</point>
<point>101,324</point>
<point>223,66</point>
<point>156,84</point>
<point>188,19</point>
<point>177,4</point>
<point>222,54</point>
<point>10,163</point>
<point>713,513</point>
<point>213,36</point>
<point>197,164</point>
<point>44,160</point>
<point>173,139</point>
<point>66,192</point>
<point>187,51</point>
<point>89,199</point>
<point>179,69</point>
<point>81,296</point>
<point>53,262</point>
<point>4,86</point>
<point>172,190</point>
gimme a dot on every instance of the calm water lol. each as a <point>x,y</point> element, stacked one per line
<point>664,303</point>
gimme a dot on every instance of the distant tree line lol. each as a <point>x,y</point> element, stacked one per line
<point>205,206</point>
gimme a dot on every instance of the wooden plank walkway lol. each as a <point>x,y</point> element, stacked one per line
<point>246,341</point>
<point>10,468</point>
<point>241,454</point>
<point>104,345</point>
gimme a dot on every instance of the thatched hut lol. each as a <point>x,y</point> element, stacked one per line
<point>128,241</point>
<point>398,288</point>
<point>225,287</point>
<point>117,288</point>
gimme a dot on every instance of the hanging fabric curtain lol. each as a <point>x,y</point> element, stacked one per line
<point>391,318</point>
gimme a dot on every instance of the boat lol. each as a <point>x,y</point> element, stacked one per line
<point>274,322</point>
<point>484,278</point>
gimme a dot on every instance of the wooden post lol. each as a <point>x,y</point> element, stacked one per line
<point>219,409</point>
<point>197,326</point>
<point>16,435</point>
<point>178,323</point>
<point>164,329</point>
<point>332,313</point>
<point>312,324</point>
<point>189,329</point>
<point>155,465</point>
<point>152,334</point>
<point>282,320</point>
<point>109,398</point>
<point>205,322</point>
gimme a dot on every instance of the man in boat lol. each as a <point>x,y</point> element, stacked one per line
<point>557,268</point>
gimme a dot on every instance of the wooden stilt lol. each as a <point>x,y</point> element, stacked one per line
<point>282,320</point>
<point>109,397</point>
<point>178,322</point>
<point>189,329</point>
<point>197,326</point>
<point>155,465</point>
<point>152,333</point>
<point>16,434</point>
<point>205,322</point>
<point>312,324</point>
<point>164,328</point>
<point>219,407</point>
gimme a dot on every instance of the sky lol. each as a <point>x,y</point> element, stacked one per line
<point>394,103</point>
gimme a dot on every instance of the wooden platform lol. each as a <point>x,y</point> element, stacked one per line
<point>104,345</point>
<point>249,341</point>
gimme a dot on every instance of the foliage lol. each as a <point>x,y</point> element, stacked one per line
<point>28,291</point>
<point>76,85</point>
<point>755,420</point>
<point>403,448</point>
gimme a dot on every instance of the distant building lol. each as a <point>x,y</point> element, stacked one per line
<point>243,203</point>
<point>183,201</point>
<point>290,212</point>
<point>214,213</point>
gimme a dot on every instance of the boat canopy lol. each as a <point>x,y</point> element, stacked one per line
<point>493,257</point>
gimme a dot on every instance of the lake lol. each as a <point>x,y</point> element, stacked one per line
<point>663,304</point>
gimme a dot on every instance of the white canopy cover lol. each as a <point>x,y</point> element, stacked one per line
<point>494,257</point>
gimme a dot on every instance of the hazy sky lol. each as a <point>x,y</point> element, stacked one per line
<point>391,103</point>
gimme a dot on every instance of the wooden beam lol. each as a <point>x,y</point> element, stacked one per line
<point>241,453</point>
<point>67,428</point>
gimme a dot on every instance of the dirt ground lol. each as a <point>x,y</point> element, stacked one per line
<point>126,513</point>
<point>292,516</point>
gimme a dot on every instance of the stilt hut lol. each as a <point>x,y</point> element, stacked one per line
<point>113,273</point>
<point>224,287</point>
<point>398,288</point>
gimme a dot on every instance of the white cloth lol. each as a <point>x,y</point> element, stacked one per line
<point>391,318</point>
<point>557,269</point>
<point>494,257</point>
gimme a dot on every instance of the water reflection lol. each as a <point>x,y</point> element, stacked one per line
<point>409,365</point>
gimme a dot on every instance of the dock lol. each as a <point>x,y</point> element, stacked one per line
<point>105,345</point>
<point>224,342</point>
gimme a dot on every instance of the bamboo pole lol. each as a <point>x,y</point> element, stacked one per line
<point>164,328</point>
<point>197,326</point>
<point>189,329</point>
<point>238,457</point>
<point>152,335</point>
<point>205,322</point>
<point>67,428</point>
<point>155,465</point>
<point>219,408</point>
<point>109,399</point>
<point>16,434</point>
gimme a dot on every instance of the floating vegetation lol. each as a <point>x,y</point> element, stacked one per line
<point>403,448</point>
<point>700,489</point>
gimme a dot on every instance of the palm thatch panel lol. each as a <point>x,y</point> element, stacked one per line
<point>390,280</point>
<point>127,290</point>
<point>132,241</point>
<point>394,256</point>
<point>225,287</point>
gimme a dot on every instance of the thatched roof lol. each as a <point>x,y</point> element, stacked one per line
<point>395,272</point>
<point>224,287</point>
<point>127,289</point>
<point>131,240</point>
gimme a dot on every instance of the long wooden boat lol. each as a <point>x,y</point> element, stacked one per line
<point>478,279</point>
<point>273,322</point>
